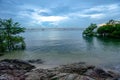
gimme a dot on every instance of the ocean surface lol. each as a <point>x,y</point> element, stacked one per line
<point>57,47</point>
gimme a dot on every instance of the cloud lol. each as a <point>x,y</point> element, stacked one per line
<point>93,16</point>
<point>40,18</point>
<point>62,12</point>
<point>45,16</point>
<point>86,15</point>
<point>32,8</point>
<point>102,8</point>
<point>36,16</point>
<point>97,12</point>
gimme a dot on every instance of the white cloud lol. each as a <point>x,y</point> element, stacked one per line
<point>103,8</point>
<point>93,16</point>
<point>85,15</point>
<point>40,18</point>
<point>41,10</point>
<point>37,18</point>
<point>34,8</point>
<point>97,12</point>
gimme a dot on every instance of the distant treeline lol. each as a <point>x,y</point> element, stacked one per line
<point>42,29</point>
<point>110,29</point>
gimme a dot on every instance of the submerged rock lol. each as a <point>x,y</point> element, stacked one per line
<point>37,61</point>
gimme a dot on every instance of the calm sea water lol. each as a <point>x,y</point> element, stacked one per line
<point>61,47</point>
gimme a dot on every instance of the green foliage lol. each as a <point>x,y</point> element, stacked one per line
<point>90,30</point>
<point>9,39</point>
<point>105,30</point>
<point>111,29</point>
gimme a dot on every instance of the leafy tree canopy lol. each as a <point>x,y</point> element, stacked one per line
<point>110,29</point>
<point>90,30</point>
<point>9,38</point>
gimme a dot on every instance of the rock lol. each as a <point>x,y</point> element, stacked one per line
<point>15,64</point>
<point>38,61</point>
<point>13,69</point>
<point>40,74</point>
<point>76,71</point>
<point>72,76</point>
<point>78,68</point>
<point>115,75</point>
<point>85,78</point>
<point>6,77</point>
<point>1,54</point>
<point>21,70</point>
<point>101,73</point>
<point>89,72</point>
<point>60,76</point>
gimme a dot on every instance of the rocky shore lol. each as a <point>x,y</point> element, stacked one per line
<point>14,69</point>
<point>23,70</point>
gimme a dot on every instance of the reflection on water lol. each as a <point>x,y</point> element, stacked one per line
<point>61,47</point>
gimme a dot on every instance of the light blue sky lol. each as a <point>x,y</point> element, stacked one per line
<point>60,13</point>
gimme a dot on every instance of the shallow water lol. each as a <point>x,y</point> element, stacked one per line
<point>61,47</point>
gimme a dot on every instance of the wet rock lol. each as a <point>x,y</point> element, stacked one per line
<point>101,73</point>
<point>13,64</point>
<point>37,61</point>
<point>6,77</point>
<point>61,76</point>
<point>76,71</point>
<point>85,78</point>
<point>72,76</point>
<point>89,72</point>
<point>1,54</point>
<point>13,69</point>
<point>115,75</point>
<point>21,70</point>
<point>78,68</point>
<point>40,74</point>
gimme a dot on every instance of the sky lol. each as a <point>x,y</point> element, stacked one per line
<point>59,13</point>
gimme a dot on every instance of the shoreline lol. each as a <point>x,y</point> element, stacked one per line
<point>14,69</point>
